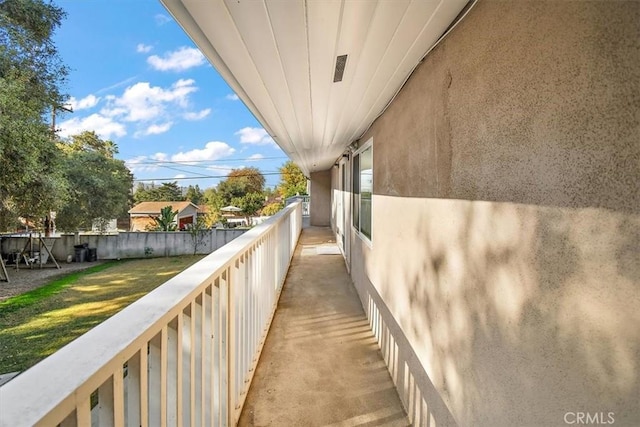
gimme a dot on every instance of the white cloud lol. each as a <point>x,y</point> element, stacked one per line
<point>213,150</point>
<point>193,116</point>
<point>143,48</point>
<point>153,110</point>
<point>255,136</point>
<point>161,19</point>
<point>178,60</point>
<point>158,129</point>
<point>180,176</point>
<point>143,102</point>
<point>104,126</point>
<point>232,97</point>
<point>88,101</point>
<point>160,157</point>
<point>256,156</point>
<point>137,164</point>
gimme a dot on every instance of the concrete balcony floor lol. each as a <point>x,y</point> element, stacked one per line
<point>320,365</point>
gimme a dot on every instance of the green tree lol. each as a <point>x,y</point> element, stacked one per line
<point>239,183</point>
<point>272,209</point>
<point>194,194</point>
<point>250,177</point>
<point>250,204</point>
<point>230,189</point>
<point>31,73</point>
<point>167,192</point>
<point>212,199</point>
<point>90,141</point>
<point>292,180</point>
<point>166,221</point>
<point>98,188</point>
<point>198,232</point>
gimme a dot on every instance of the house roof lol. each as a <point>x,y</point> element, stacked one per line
<point>204,209</point>
<point>151,208</point>
<point>316,74</point>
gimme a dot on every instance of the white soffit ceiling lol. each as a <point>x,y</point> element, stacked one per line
<point>280,56</point>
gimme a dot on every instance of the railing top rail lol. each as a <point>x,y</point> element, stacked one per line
<point>85,363</point>
<point>300,197</point>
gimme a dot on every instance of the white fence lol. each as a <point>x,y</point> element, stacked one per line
<point>184,354</point>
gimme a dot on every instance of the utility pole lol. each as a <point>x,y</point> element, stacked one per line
<point>48,220</point>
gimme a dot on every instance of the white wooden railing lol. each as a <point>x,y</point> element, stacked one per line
<point>184,354</point>
<point>306,203</point>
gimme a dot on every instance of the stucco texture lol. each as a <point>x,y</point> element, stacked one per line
<point>320,207</point>
<point>506,213</point>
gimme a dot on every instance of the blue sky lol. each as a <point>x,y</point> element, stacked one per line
<point>137,79</point>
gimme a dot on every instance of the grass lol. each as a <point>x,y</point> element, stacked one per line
<point>39,322</point>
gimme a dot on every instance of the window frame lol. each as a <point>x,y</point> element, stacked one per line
<point>356,192</point>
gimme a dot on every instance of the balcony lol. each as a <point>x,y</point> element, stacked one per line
<point>186,353</point>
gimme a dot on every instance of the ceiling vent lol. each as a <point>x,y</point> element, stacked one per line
<point>341,61</point>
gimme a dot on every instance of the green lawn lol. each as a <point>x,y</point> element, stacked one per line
<point>36,324</point>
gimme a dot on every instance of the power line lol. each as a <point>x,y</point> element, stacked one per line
<point>202,167</point>
<point>178,169</point>
<point>188,162</point>
<point>200,177</point>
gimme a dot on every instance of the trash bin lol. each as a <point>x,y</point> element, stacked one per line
<point>80,252</point>
<point>93,254</point>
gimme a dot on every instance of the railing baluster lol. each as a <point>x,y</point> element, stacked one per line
<point>246,318</point>
<point>197,351</point>
<point>118,397</point>
<point>231,346</point>
<point>179,368</point>
<point>207,359</point>
<point>223,320</point>
<point>163,375</point>
<point>255,324</point>
<point>216,396</point>
<point>186,366</point>
<point>83,413</point>
<point>172,369</point>
<point>201,360</point>
<point>192,366</point>
<point>144,386</point>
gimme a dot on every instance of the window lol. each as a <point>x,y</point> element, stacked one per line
<point>363,189</point>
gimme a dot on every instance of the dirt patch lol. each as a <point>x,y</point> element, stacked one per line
<point>26,279</point>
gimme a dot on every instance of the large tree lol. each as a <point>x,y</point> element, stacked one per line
<point>212,199</point>
<point>251,177</point>
<point>31,75</point>
<point>90,141</point>
<point>99,185</point>
<point>194,194</point>
<point>292,180</point>
<point>167,192</point>
<point>250,204</point>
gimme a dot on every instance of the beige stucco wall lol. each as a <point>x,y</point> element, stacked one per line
<point>320,214</point>
<point>506,225</point>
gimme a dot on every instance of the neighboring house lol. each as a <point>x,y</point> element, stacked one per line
<point>478,163</point>
<point>203,211</point>
<point>142,214</point>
